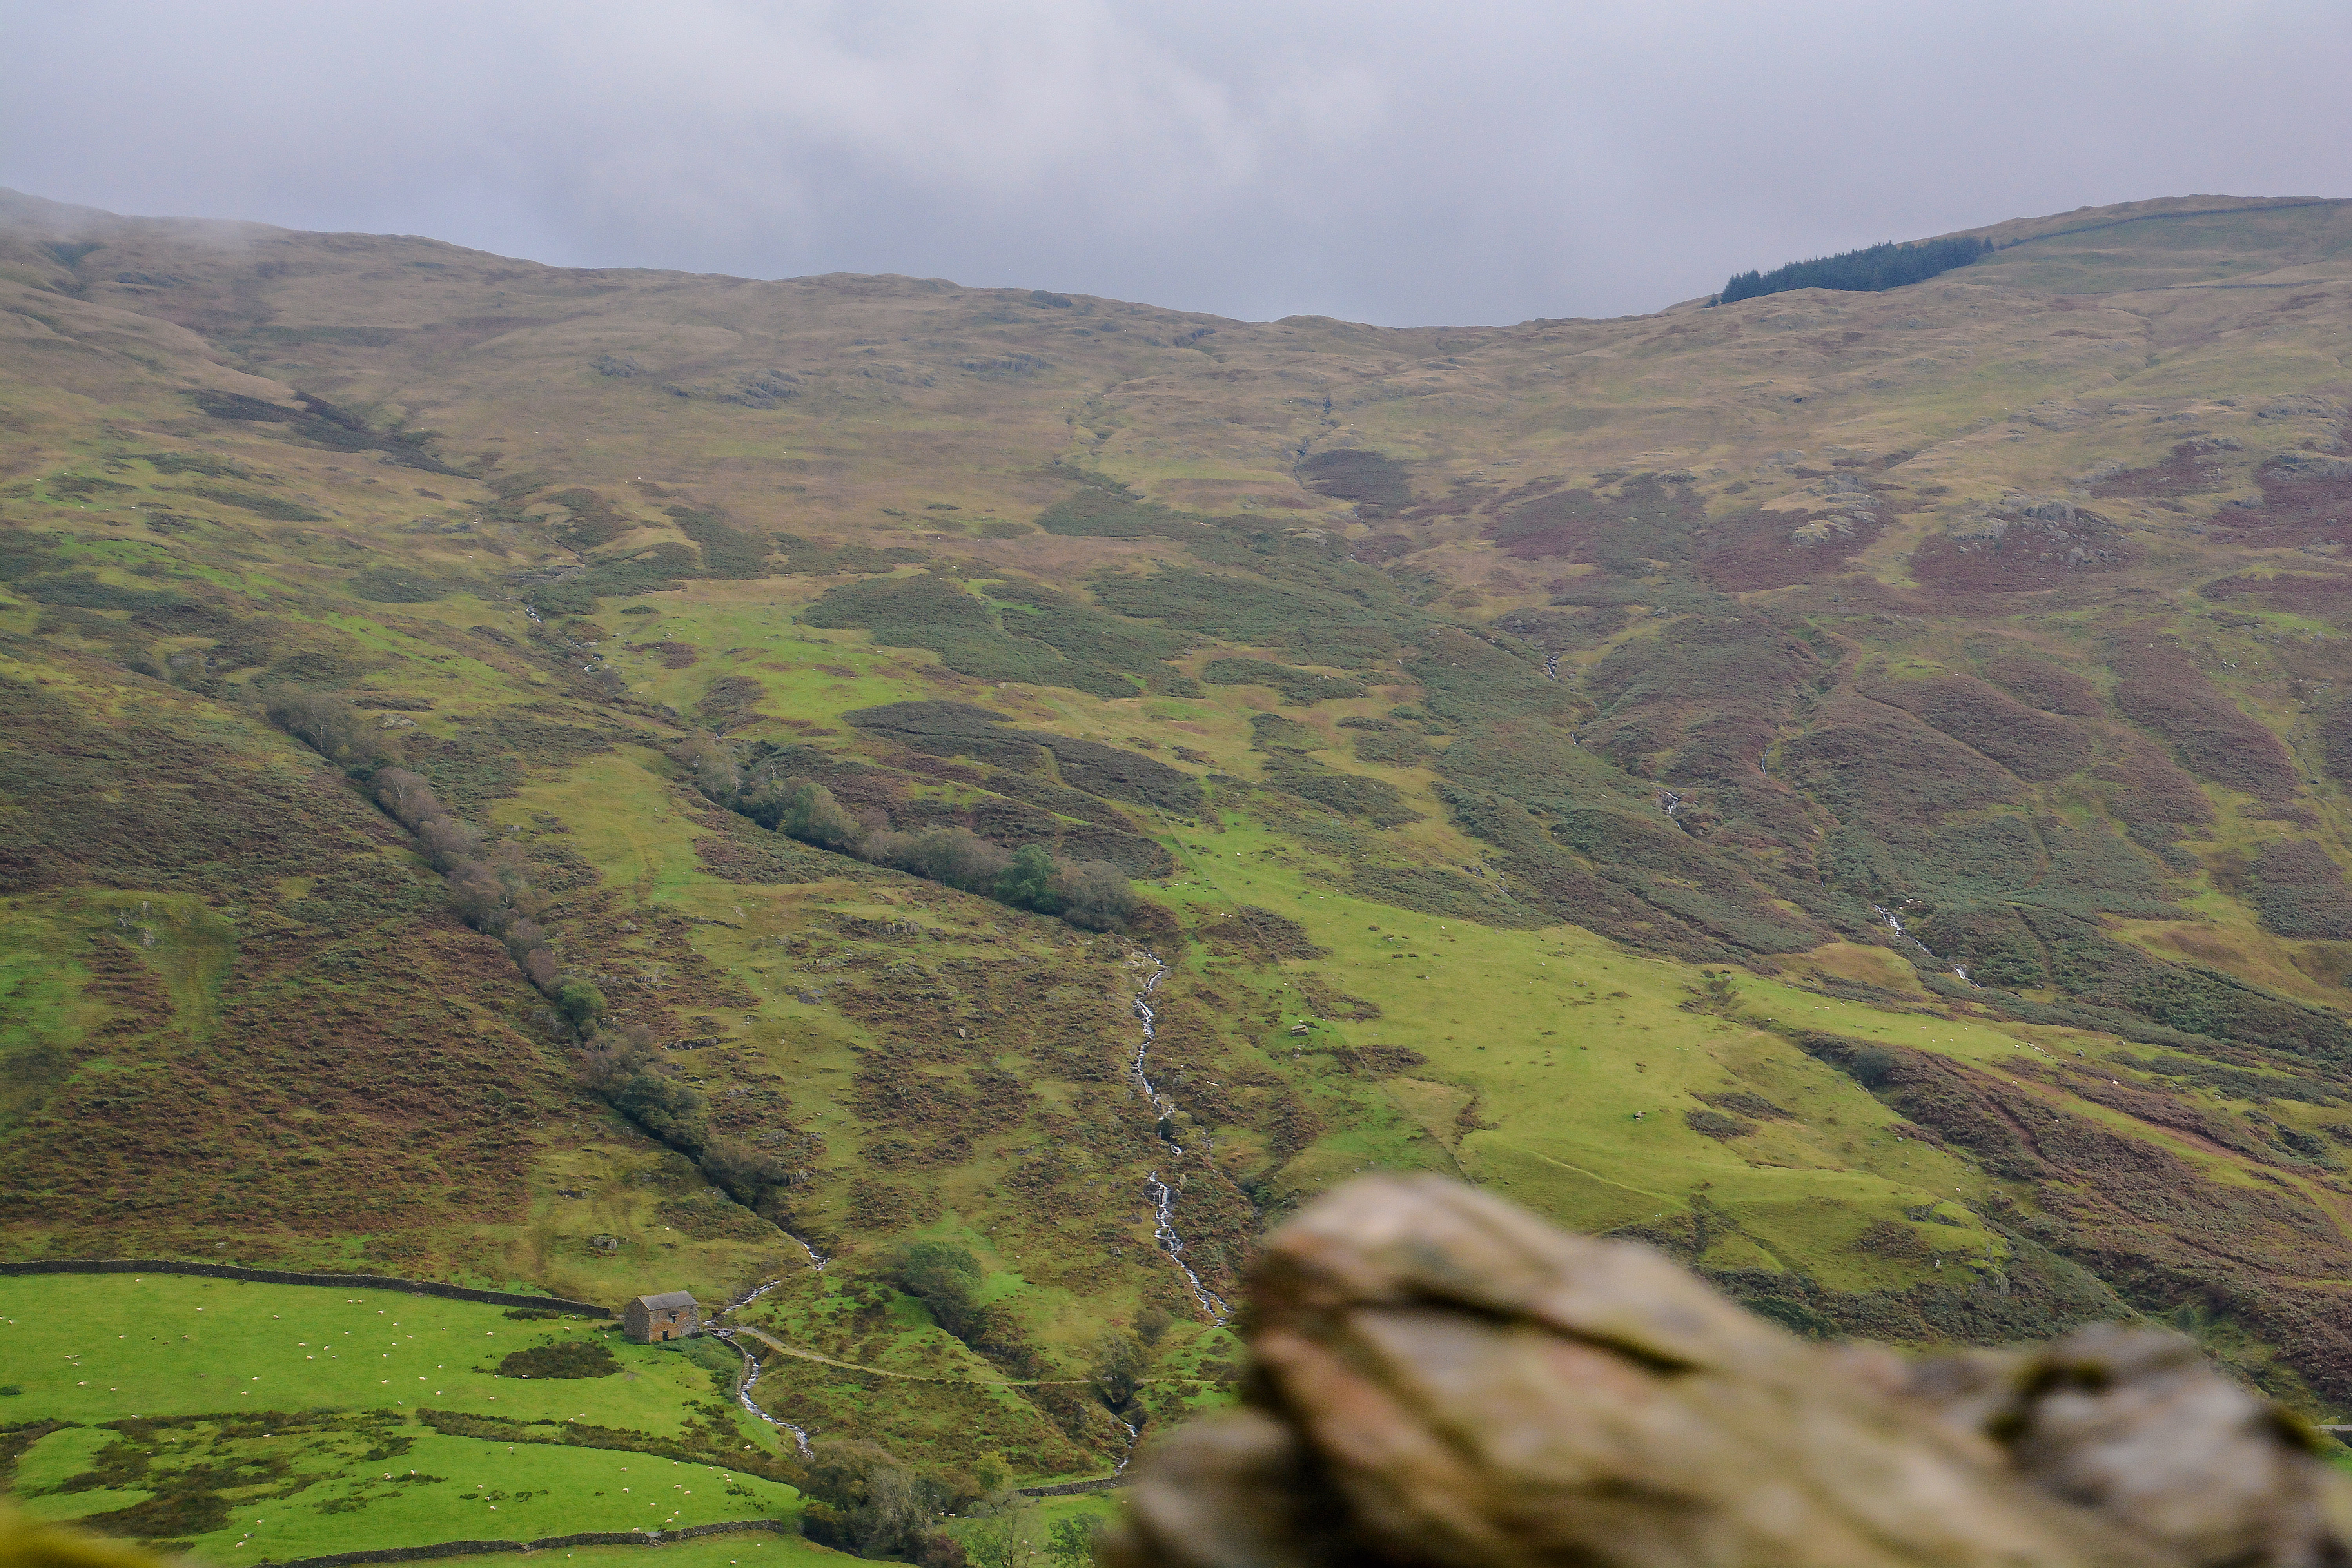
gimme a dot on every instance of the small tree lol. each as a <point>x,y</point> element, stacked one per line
<point>1028,882</point>
<point>815,817</point>
<point>1119,1369</point>
<point>1071,1543</point>
<point>408,797</point>
<point>579,1003</point>
<point>449,843</point>
<point>866,1500</point>
<point>1006,1538</point>
<point>745,1172</point>
<point>715,773</point>
<point>327,724</point>
<point>1096,896</point>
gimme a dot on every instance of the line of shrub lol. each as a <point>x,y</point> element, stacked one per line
<point>1091,894</point>
<point>490,887</point>
<point>488,884</point>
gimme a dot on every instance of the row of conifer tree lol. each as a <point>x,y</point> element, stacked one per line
<point>1870,269</point>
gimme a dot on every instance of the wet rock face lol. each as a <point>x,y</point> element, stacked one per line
<point>1441,1378</point>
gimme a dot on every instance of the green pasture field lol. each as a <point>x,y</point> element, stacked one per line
<point>275,1421</point>
<point>101,1347</point>
<point>1562,1039</point>
<point>311,1495</point>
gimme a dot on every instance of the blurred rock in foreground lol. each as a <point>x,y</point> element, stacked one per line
<point>1441,1378</point>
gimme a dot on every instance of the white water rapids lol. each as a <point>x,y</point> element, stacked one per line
<point>752,1367</point>
<point>1163,1198</point>
<point>751,1370</point>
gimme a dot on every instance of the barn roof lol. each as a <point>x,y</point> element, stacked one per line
<point>667,1298</point>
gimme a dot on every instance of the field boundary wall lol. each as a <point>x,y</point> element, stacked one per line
<point>288,1277</point>
<point>479,1547</point>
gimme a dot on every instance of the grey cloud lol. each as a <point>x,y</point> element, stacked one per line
<point>1391,162</point>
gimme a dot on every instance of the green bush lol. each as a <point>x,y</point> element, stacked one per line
<point>1028,882</point>
<point>945,1279</point>
<point>569,1359</point>
<point>800,809</point>
<point>867,1501</point>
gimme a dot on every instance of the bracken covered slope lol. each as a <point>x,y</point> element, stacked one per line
<point>1849,788</point>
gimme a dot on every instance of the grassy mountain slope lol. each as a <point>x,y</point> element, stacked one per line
<point>1521,738</point>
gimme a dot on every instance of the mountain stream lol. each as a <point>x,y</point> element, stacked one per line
<point>1163,1217</point>
<point>1895,926</point>
<point>1162,1196</point>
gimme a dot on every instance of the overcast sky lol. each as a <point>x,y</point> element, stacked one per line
<point>1400,164</point>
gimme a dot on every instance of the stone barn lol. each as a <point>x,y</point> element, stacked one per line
<point>672,1315</point>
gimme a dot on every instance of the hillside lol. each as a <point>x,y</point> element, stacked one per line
<point>1848,787</point>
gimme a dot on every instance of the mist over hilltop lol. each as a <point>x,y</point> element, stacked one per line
<point>1393,165</point>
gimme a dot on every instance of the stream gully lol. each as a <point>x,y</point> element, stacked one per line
<point>1163,1226</point>
<point>752,1368</point>
<point>1895,926</point>
<point>1162,1196</point>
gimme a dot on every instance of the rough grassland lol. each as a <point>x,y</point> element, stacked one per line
<point>1628,677</point>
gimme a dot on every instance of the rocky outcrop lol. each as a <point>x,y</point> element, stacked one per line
<point>1440,1378</point>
